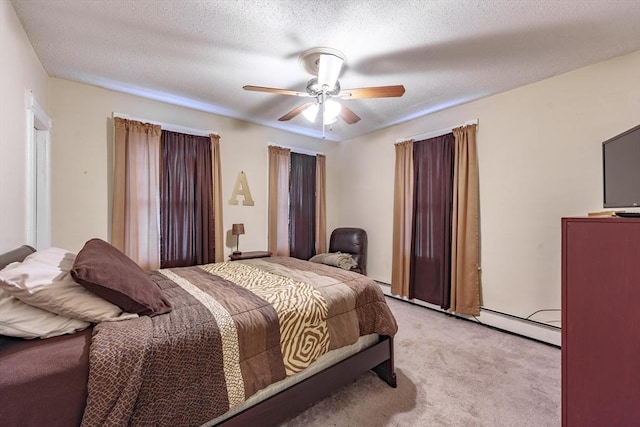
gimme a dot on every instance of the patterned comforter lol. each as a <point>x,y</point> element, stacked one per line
<point>235,328</point>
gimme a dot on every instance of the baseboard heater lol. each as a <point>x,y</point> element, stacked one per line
<point>527,328</point>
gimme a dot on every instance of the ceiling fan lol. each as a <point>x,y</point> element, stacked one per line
<point>326,64</point>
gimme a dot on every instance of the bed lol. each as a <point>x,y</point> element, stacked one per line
<point>178,368</point>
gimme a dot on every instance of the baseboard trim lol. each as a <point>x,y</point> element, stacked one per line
<point>504,322</point>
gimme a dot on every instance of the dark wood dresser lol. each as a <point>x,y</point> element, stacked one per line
<point>600,321</point>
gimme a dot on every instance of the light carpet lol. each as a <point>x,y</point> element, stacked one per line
<point>451,372</point>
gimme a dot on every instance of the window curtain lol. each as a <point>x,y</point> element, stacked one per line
<point>216,175</point>
<point>430,276</point>
<point>465,251</point>
<point>302,206</point>
<point>278,215</point>
<point>402,219</point>
<point>465,287</point>
<point>186,197</point>
<point>135,228</point>
<point>321,204</point>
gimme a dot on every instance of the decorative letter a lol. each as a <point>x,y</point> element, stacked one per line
<point>241,188</point>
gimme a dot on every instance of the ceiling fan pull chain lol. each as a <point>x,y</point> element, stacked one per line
<point>323,123</point>
<point>322,100</point>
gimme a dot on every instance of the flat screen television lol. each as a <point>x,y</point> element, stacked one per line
<point>621,169</point>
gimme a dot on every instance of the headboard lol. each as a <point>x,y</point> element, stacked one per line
<point>18,254</point>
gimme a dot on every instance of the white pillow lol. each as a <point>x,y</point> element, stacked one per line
<point>43,280</point>
<point>18,319</point>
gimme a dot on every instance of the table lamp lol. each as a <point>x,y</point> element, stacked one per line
<point>237,230</point>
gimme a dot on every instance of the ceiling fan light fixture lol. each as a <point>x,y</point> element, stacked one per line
<point>311,112</point>
<point>325,64</point>
<point>331,111</point>
<point>328,71</point>
<point>310,58</point>
<point>329,121</point>
<point>314,89</point>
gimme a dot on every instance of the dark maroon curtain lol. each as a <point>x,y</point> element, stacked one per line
<point>430,273</point>
<point>186,201</point>
<point>302,206</point>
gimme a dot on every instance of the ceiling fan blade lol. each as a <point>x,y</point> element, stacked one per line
<point>291,114</point>
<point>348,115</point>
<point>274,90</point>
<point>373,92</point>
<point>329,69</point>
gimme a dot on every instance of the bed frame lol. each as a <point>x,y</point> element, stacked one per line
<point>294,400</point>
<point>15,255</point>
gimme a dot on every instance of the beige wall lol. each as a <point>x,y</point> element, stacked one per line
<point>82,160</point>
<point>539,150</point>
<point>20,71</point>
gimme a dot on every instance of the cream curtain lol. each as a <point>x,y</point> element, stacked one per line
<point>321,204</point>
<point>465,225</point>
<point>216,174</point>
<point>278,217</point>
<point>136,198</point>
<point>402,219</point>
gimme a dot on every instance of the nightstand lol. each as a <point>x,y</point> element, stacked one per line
<point>249,255</point>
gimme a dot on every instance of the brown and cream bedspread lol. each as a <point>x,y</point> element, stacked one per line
<point>235,328</point>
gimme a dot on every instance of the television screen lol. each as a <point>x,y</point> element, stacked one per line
<point>621,167</point>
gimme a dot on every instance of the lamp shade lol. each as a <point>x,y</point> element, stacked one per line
<point>331,111</point>
<point>311,112</point>
<point>237,229</point>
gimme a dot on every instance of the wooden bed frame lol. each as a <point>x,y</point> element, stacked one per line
<point>294,400</point>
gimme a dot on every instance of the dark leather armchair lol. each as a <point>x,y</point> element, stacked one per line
<point>352,241</point>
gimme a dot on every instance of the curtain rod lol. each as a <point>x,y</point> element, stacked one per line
<point>438,132</point>
<point>298,150</point>
<point>168,126</point>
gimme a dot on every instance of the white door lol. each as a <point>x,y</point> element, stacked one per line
<point>38,219</point>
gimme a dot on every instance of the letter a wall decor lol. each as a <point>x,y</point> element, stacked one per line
<point>241,189</point>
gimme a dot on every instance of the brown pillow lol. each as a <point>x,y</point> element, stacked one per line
<point>110,274</point>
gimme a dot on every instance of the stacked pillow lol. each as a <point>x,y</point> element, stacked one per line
<point>18,319</point>
<point>54,292</point>
<point>110,274</point>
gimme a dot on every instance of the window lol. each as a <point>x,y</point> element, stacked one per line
<point>430,276</point>
<point>297,218</point>
<point>166,196</point>
<point>302,206</point>
<point>186,201</point>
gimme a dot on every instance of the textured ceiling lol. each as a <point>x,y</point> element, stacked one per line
<point>199,53</point>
